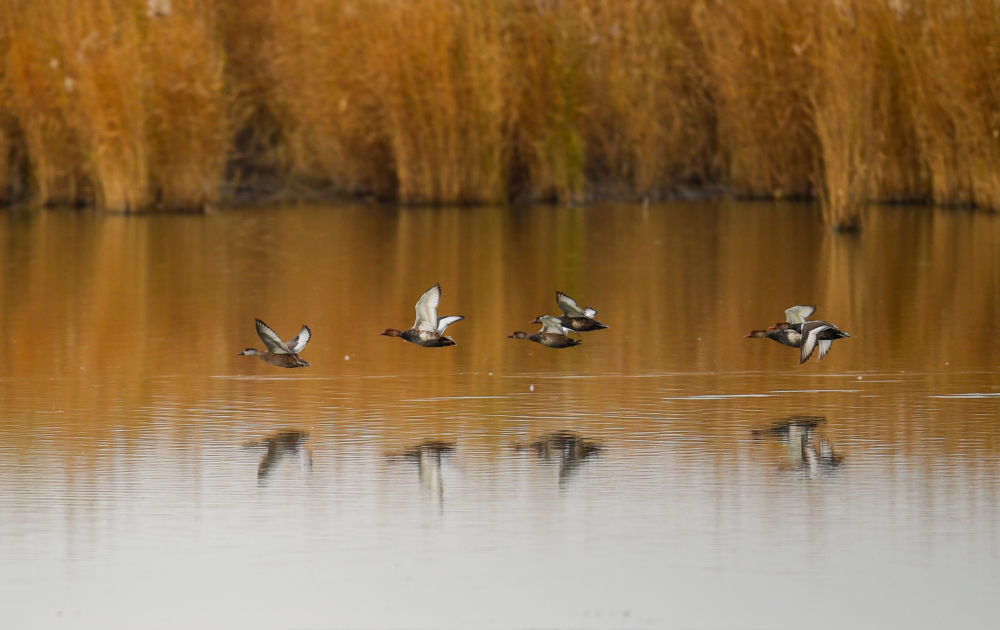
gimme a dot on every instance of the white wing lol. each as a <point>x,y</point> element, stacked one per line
<point>427,309</point>
<point>798,314</point>
<point>809,340</point>
<point>444,322</point>
<point>552,325</point>
<point>570,308</point>
<point>824,347</point>
<point>298,343</point>
<point>271,339</point>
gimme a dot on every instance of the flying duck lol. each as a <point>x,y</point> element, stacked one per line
<point>280,353</point>
<point>427,329</point>
<point>574,317</point>
<point>553,334</point>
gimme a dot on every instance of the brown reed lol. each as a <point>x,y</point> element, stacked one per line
<point>144,104</point>
<point>842,107</point>
<point>760,76</point>
<point>118,108</point>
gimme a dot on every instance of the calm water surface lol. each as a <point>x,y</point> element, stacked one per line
<point>667,473</point>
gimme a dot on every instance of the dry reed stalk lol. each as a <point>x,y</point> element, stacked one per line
<point>481,100</point>
<point>648,118</point>
<point>130,101</point>
<point>102,47</point>
<point>544,77</point>
<point>760,75</point>
<point>187,109</point>
<point>958,99</point>
<point>935,126</point>
<point>309,105</point>
<point>6,146</point>
<point>842,104</point>
<point>37,93</point>
<point>899,173</point>
<point>439,73</point>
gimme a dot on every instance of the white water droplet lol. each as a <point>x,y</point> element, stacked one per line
<point>347,357</point>
<point>531,388</point>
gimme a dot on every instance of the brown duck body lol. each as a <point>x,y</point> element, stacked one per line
<point>552,340</point>
<point>581,324</point>
<point>424,338</point>
<point>788,337</point>
<point>788,332</point>
<point>289,360</point>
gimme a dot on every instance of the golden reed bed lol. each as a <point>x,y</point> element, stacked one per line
<point>176,104</point>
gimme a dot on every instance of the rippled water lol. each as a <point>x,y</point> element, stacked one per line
<point>666,473</point>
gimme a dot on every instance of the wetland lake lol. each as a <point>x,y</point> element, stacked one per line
<point>666,473</point>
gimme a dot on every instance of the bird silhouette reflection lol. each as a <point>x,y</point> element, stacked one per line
<point>809,451</point>
<point>566,449</point>
<point>428,456</point>
<point>281,445</point>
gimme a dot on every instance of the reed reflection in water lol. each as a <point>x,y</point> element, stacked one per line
<point>151,477</point>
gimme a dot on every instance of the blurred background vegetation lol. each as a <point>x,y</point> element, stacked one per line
<point>132,105</point>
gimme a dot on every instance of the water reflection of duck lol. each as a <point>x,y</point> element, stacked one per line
<point>428,456</point>
<point>427,330</point>
<point>280,353</point>
<point>574,317</point>
<point>565,448</point>
<point>553,334</point>
<point>279,445</point>
<point>808,450</point>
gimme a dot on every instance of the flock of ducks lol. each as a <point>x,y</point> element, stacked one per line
<point>428,331</point>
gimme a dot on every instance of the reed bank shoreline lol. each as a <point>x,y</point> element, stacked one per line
<point>140,105</point>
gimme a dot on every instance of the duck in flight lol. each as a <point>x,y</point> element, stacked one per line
<point>280,353</point>
<point>813,334</point>
<point>790,335</point>
<point>553,334</point>
<point>428,329</point>
<point>798,332</point>
<point>576,318</point>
